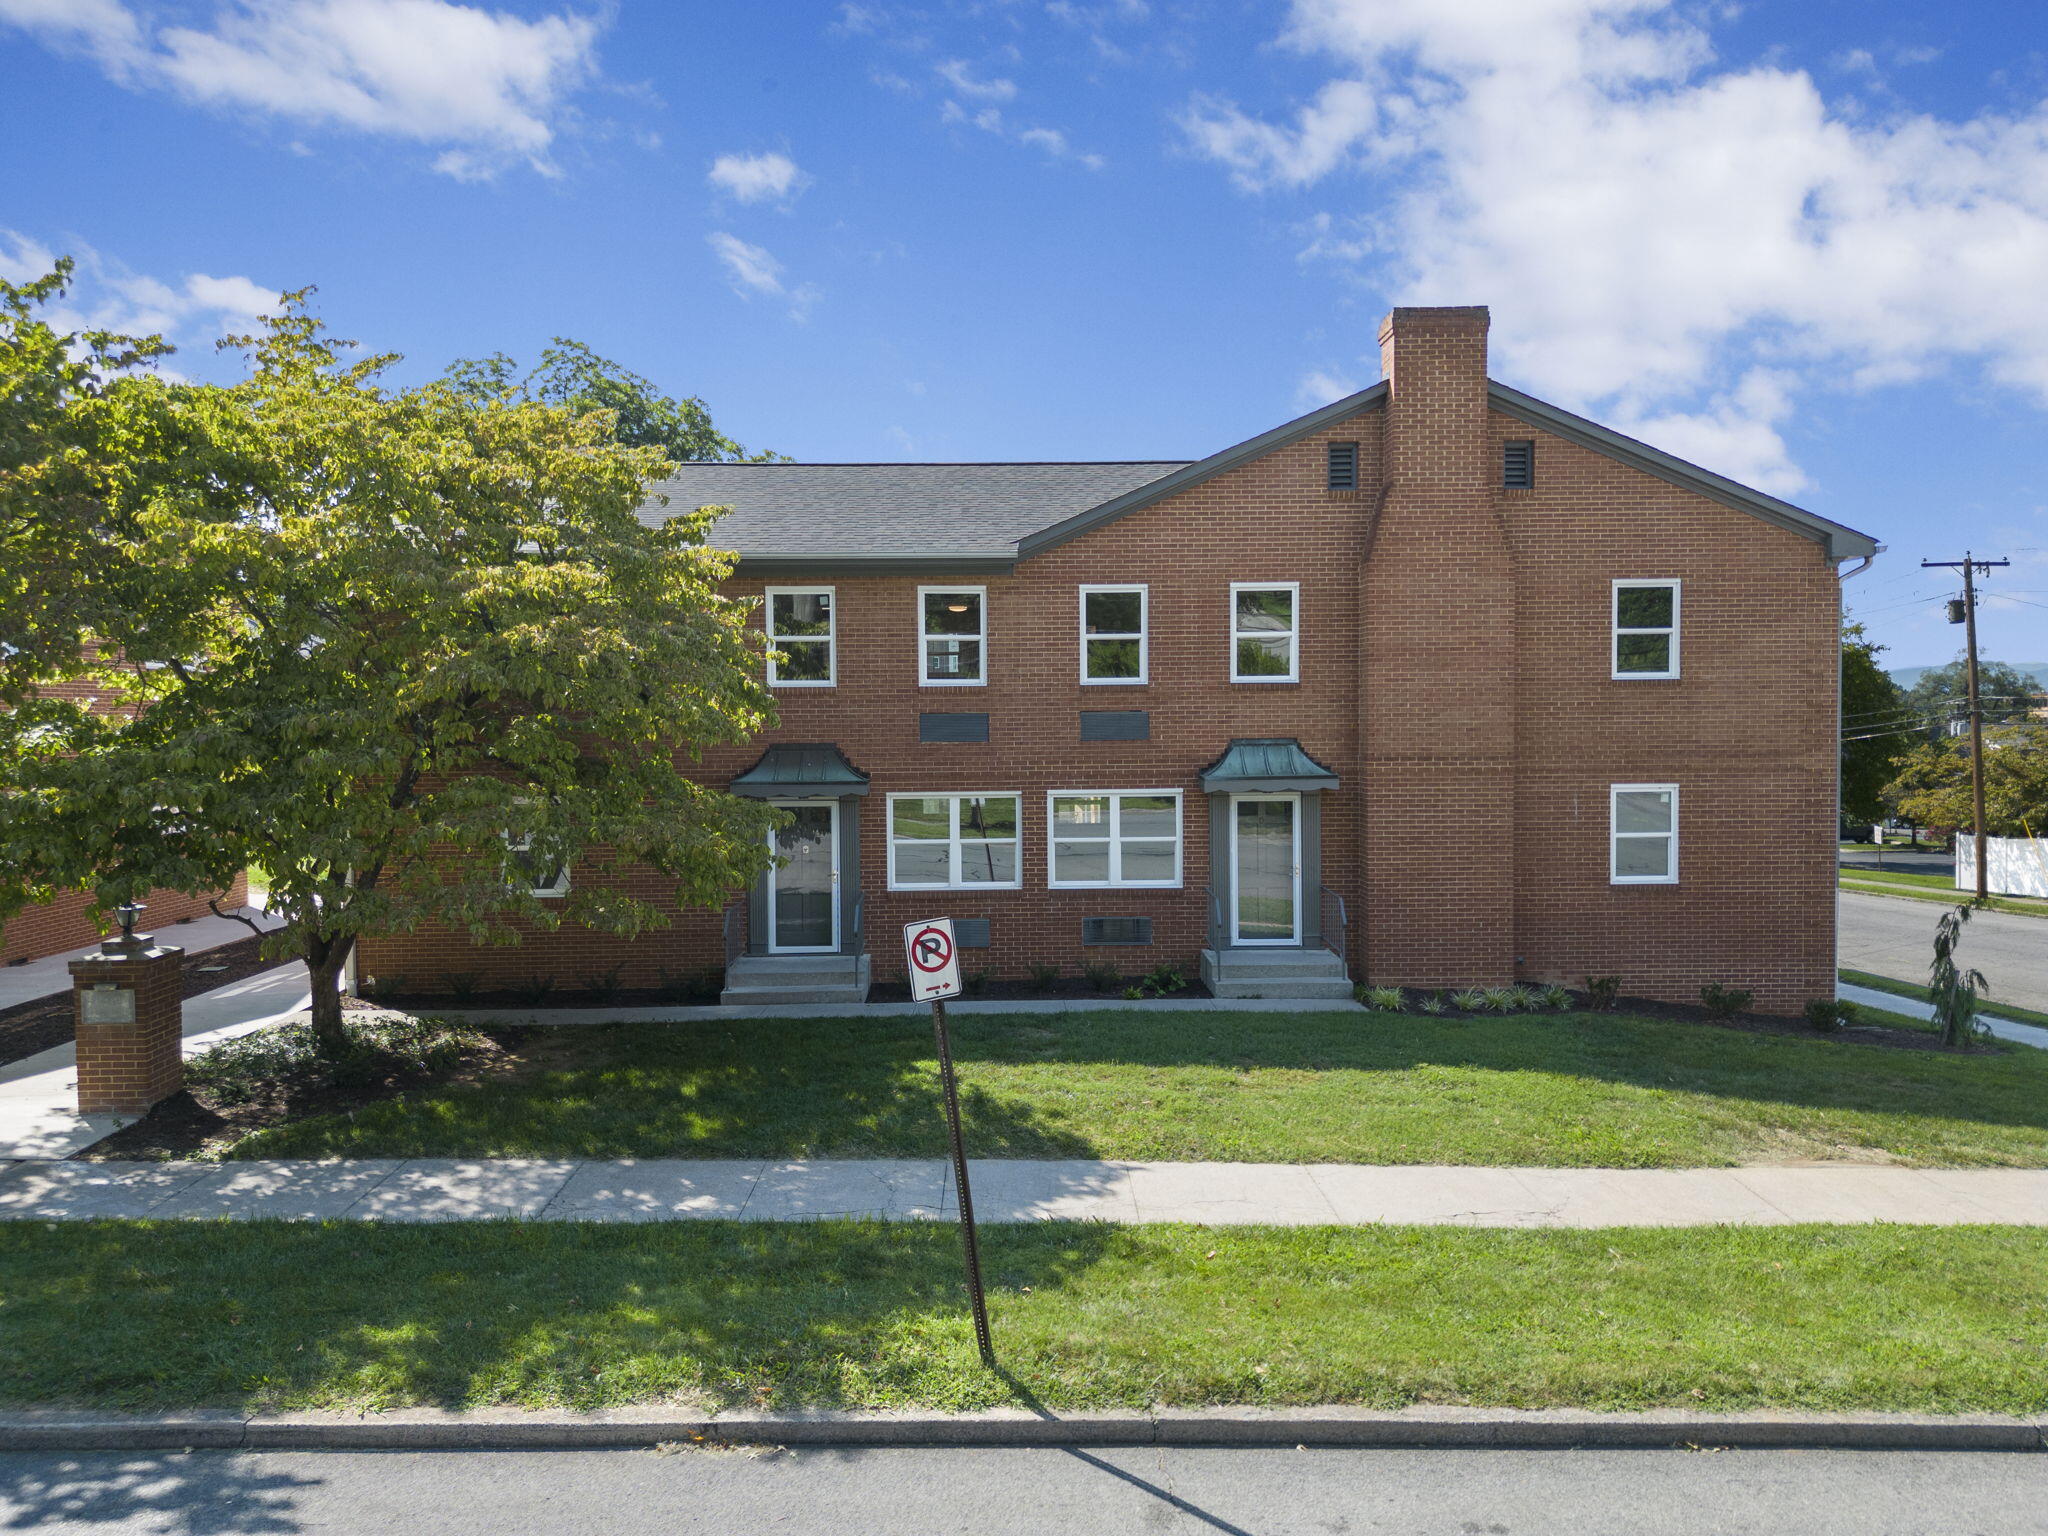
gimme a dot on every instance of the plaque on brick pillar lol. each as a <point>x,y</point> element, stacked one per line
<point>130,1015</point>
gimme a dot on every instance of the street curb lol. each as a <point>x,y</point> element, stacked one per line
<point>421,1429</point>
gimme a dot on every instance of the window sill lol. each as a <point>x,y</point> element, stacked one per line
<point>1646,677</point>
<point>1265,682</point>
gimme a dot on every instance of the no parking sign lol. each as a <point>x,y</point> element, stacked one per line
<point>934,959</point>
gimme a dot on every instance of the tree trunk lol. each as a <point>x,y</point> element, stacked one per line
<point>323,963</point>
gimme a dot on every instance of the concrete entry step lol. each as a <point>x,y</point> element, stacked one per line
<point>1278,972</point>
<point>763,979</point>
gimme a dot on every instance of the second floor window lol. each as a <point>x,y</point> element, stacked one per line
<point>1263,634</point>
<point>942,841</point>
<point>1113,641</point>
<point>1645,629</point>
<point>955,637</point>
<point>802,627</point>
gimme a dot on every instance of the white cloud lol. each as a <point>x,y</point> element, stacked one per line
<point>1676,244</point>
<point>962,79</point>
<point>489,87</point>
<point>1320,386</point>
<point>752,270</point>
<point>104,295</point>
<point>757,178</point>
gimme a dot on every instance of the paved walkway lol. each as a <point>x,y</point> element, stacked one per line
<point>1223,1194</point>
<point>1913,1008</point>
<point>39,1094</point>
<point>39,978</point>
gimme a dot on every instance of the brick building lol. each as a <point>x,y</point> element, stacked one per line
<point>1437,685</point>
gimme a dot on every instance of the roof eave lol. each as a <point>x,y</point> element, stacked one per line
<point>775,566</point>
<point>1840,541</point>
<point>1203,469</point>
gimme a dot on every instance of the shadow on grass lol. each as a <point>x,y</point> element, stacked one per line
<point>142,1315</point>
<point>869,1087</point>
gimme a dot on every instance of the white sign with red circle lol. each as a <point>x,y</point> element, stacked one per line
<point>934,959</point>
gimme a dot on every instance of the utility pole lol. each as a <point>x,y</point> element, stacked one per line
<point>1970,566</point>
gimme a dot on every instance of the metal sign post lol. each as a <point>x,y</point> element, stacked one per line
<point>935,976</point>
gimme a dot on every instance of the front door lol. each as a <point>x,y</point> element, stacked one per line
<point>1265,869</point>
<point>803,890</point>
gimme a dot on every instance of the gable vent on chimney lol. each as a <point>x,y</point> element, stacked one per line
<point>1518,464</point>
<point>1343,466</point>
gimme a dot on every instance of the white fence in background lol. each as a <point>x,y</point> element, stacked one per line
<point>2018,865</point>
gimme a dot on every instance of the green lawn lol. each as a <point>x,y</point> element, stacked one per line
<point>273,1315</point>
<point>1561,1090</point>
<point>1940,888</point>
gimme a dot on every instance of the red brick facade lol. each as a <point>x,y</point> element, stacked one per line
<point>1454,673</point>
<point>67,922</point>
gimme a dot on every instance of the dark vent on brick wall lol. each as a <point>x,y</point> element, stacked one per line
<point>1518,464</point>
<point>1343,466</point>
<point>937,727</point>
<point>1116,725</point>
<point>1116,930</point>
<point>970,932</point>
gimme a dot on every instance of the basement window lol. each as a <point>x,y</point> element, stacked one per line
<point>1645,644</point>
<point>1518,464</point>
<point>1643,834</point>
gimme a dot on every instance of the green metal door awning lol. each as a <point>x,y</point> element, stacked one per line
<point>1266,765</point>
<point>801,771</point>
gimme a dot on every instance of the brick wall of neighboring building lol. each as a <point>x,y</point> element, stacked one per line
<point>1454,673</point>
<point>67,922</point>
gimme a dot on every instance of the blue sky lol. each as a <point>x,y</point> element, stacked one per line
<point>1800,241</point>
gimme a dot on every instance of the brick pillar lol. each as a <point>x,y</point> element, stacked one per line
<point>127,1064</point>
<point>1437,676</point>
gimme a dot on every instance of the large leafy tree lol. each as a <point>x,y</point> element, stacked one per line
<point>397,647</point>
<point>581,381</point>
<point>1873,737</point>
<point>1932,787</point>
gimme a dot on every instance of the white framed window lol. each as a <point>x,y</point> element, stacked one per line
<point>1645,621</point>
<point>1642,834</point>
<point>952,842</point>
<point>952,637</point>
<point>1265,631</point>
<point>1103,837</point>
<point>544,881</point>
<point>1113,634</point>
<point>803,624</point>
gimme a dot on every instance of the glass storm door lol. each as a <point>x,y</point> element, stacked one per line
<point>1265,869</point>
<point>803,891</point>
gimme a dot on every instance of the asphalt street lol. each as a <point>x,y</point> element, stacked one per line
<point>1894,937</point>
<point>1153,1491</point>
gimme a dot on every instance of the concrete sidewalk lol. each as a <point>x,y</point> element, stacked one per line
<point>32,979</point>
<point>1010,1191</point>
<point>1913,1008</point>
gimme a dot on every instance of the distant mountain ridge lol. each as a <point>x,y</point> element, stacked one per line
<point>1906,677</point>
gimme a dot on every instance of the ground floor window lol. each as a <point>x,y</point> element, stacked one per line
<point>1114,837</point>
<point>1643,834</point>
<point>942,841</point>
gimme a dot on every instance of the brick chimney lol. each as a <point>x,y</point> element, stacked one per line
<point>1437,673</point>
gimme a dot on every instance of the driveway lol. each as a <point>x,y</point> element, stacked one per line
<point>1890,936</point>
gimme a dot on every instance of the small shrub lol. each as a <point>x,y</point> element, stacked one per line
<point>289,1060</point>
<point>1432,1003</point>
<point>374,987</point>
<point>1723,1002</point>
<point>1164,979</point>
<point>537,991</point>
<point>1469,1000</point>
<point>1383,999</point>
<point>1828,1014</point>
<point>461,985</point>
<point>1503,999</point>
<point>1043,976</point>
<point>1134,994</point>
<point>1103,978</point>
<point>974,983</point>
<point>1554,998</point>
<point>603,986</point>
<point>1602,991</point>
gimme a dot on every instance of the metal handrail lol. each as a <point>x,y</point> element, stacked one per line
<point>1215,919</point>
<point>735,931</point>
<point>1334,933</point>
<point>859,939</point>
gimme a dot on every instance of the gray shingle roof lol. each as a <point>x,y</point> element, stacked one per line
<point>883,511</point>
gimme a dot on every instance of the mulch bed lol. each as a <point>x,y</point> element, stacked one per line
<point>42,1022</point>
